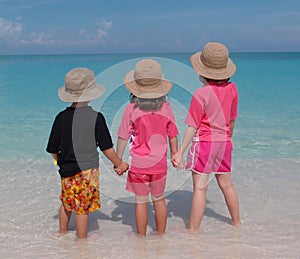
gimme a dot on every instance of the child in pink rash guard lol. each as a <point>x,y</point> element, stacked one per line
<point>210,119</point>
<point>148,122</point>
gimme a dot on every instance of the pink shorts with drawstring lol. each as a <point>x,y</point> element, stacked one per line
<point>206,157</point>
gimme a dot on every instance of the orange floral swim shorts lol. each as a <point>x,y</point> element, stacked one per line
<point>80,192</point>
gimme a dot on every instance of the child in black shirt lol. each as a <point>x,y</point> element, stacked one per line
<point>76,134</point>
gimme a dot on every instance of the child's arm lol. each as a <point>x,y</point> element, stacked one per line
<point>187,138</point>
<point>173,142</point>
<point>112,156</point>
<point>121,145</point>
<point>120,166</point>
<point>55,156</point>
<point>232,123</point>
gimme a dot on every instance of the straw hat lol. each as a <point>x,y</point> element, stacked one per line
<point>213,62</point>
<point>147,80</point>
<point>80,86</point>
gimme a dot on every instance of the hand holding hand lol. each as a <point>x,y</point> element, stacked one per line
<point>122,168</point>
<point>177,160</point>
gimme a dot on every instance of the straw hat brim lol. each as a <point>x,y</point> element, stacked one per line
<point>210,72</point>
<point>146,91</point>
<point>87,95</point>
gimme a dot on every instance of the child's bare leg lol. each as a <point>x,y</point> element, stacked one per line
<point>64,219</point>
<point>198,202</point>
<point>141,214</point>
<point>161,211</point>
<point>230,195</point>
<point>82,225</point>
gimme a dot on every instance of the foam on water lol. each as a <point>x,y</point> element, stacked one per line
<point>268,192</point>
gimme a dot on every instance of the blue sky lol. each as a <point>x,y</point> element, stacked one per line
<point>131,26</point>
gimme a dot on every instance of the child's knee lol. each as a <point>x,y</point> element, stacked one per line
<point>200,182</point>
<point>157,198</point>
<point>200,185</point>
<point>225,185</point>
<point>141,199</point>
<point>201,188</point>
<point>224,182</point>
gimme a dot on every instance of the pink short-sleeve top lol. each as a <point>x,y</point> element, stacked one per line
<point>211,109</point>
<point>147,132</point>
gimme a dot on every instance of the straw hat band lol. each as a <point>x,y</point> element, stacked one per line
<point>149,91</point>
<point>70,90</point>
<point>148,81</point>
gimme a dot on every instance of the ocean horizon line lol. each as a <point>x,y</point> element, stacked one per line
<point>144,53</point>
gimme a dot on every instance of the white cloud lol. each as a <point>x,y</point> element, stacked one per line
<point>37,39</point>
<point>10,30</point>
<point>13,32</point>
<point>101,33</point>
<point>105,24</point>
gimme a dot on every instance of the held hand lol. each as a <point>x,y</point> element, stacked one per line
<point>122,168</point>
<point>118,171</point>
<point>177,160</point>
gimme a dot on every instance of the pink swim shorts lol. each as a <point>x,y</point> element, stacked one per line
<point>206,157</point>
<point>143,184</point>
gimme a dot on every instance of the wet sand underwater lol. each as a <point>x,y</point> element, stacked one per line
<point>269,205</point>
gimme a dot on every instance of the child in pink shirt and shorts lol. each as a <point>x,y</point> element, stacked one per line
<point>147,122</point>
<point>210,119</point>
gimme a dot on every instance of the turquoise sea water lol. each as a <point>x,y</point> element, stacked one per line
<point>268,85</point>
<point>265,165</point>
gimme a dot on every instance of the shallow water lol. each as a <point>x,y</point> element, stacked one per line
<point>266,164</point>
<point>269,198</point>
